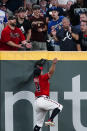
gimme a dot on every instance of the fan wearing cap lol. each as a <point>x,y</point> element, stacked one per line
<point>43,103</point>
<point>38,29</point>
<point>54,24</point>
<point>52,4</point>
<point>56,20</point>
<point>23,23</point>
<point>12,36</point>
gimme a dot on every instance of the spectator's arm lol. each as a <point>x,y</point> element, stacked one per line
<point>54,34</point>
<point>24,3</point>
<point>75,36</point>
<point>28,35</point>
<point>55,38</point>
<point>27,45</point>
<point>42,29</point>
<point>10,43</point>
<point>78,47</point>
<point>45,28</point>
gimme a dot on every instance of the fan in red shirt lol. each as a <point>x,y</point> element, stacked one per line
<point>12,36</point>
<point>42,102</point>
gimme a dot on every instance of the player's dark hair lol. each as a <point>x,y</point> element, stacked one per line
<point>37,72</point>
<point>40,62</point>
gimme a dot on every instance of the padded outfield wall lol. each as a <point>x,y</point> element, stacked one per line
<point>68,86</point>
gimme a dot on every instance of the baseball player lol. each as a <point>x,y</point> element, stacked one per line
<point>42,101</point>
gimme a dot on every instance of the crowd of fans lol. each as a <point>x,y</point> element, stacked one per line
<point>53,25</point>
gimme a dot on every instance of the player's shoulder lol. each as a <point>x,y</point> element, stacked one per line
<point>45,76</point>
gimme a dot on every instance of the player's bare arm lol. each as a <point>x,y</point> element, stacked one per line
<point>52,68</point>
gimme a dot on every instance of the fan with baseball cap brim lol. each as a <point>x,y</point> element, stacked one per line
<point>53,8</point>
<point>21,9</point>
<point>11,17</point>
<point>35,7</point>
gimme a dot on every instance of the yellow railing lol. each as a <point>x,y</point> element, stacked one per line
<point>36,55</point>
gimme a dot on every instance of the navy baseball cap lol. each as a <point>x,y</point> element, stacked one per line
<point>53,8</point>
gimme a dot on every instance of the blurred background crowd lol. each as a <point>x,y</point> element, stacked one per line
<point>53,25</point>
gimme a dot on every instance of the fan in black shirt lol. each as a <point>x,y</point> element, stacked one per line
<point>75,11</point>
<point>66,36</point>
<point>23,23</point>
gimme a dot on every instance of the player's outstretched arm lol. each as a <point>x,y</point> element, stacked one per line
<point>52,68</point>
